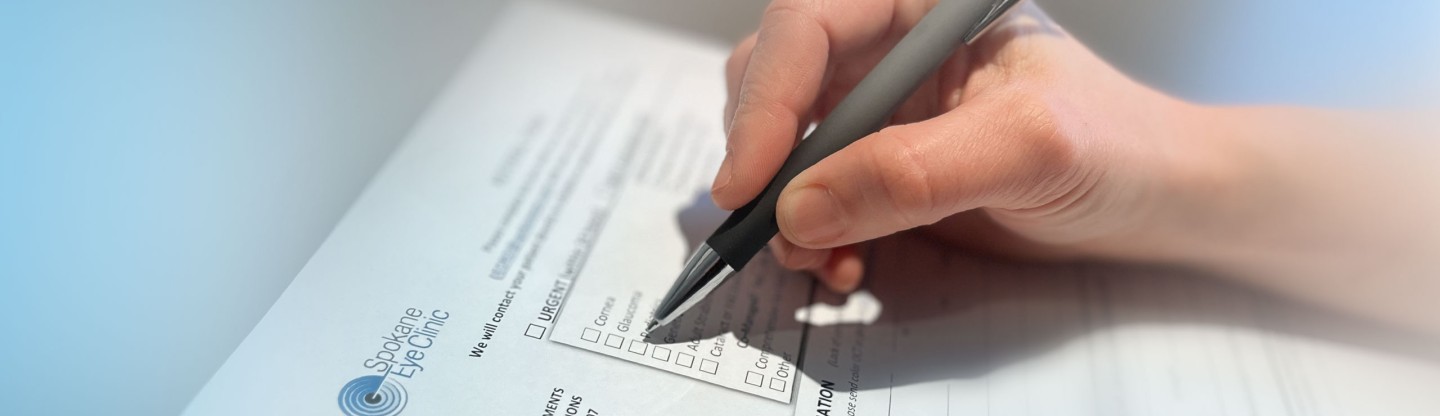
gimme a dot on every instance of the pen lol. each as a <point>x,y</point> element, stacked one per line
<point>864,111</point>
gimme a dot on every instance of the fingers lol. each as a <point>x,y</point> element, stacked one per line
<point>734,71</point>
<point>839,269</point>
<point>843,271</point>
<point>781,79</point>
<point>994,152</point>
<point>794,257</point>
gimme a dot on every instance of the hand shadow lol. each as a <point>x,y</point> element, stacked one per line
<point>957,315</point>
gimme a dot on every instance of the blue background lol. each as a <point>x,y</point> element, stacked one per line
<point>167,167</point>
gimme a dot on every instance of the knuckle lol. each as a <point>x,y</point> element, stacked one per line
<point>732,64</point>
<point>1053,151</point>
<point>903,174</point>
<point>738,55</point>
<point>784,16</point>
<point>753,110</point>
<point>784,12</point>
<point>1048,144</point>
<point>804,8</point>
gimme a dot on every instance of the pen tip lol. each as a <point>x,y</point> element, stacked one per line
<point>652,325</point>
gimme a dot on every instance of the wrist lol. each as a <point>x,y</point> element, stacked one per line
<point>1187,186</point>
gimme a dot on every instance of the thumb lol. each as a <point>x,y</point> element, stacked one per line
<point>998,153</point>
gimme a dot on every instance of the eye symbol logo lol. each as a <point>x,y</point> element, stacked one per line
<point>372,396</point>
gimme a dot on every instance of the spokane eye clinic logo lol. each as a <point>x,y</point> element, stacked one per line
<point>399,357</point>
<point>373,396</point>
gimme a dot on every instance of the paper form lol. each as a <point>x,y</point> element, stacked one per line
<point>744,336</point>
<point>660,217</point>
<point>439,290</point>
<point>663,214</point>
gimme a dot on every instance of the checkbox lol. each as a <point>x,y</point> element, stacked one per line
<point>535,331</point>
<point>638,347</point>
<point>777,384</point>
<point>709,366</point>
<point>590,334</point>
<point>685,360</point>
<point>614,341</point>
<point>660,353</point>
<point>754,379</point>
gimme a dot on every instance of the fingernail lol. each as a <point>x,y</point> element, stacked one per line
<point>814,215</point>
<point>723,177</point>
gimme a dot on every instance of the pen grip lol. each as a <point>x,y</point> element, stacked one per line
<point>864,111</point>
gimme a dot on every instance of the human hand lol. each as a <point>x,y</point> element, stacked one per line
<point>1023,143</point>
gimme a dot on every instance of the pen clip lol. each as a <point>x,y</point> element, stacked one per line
<point>998,8</point>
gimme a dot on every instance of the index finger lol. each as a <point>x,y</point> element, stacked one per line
<point>785,73</point>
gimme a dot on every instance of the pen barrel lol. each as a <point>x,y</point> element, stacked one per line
<point>864,111</point>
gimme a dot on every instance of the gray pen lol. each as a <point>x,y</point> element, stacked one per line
<point>865,110</point>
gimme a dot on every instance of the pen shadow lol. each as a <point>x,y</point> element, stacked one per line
<point>696,221</point>
<point>956,315</point>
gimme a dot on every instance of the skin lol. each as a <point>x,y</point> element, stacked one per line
<point>1025,144</point>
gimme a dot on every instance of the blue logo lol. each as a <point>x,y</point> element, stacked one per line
<point>372,396</point>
